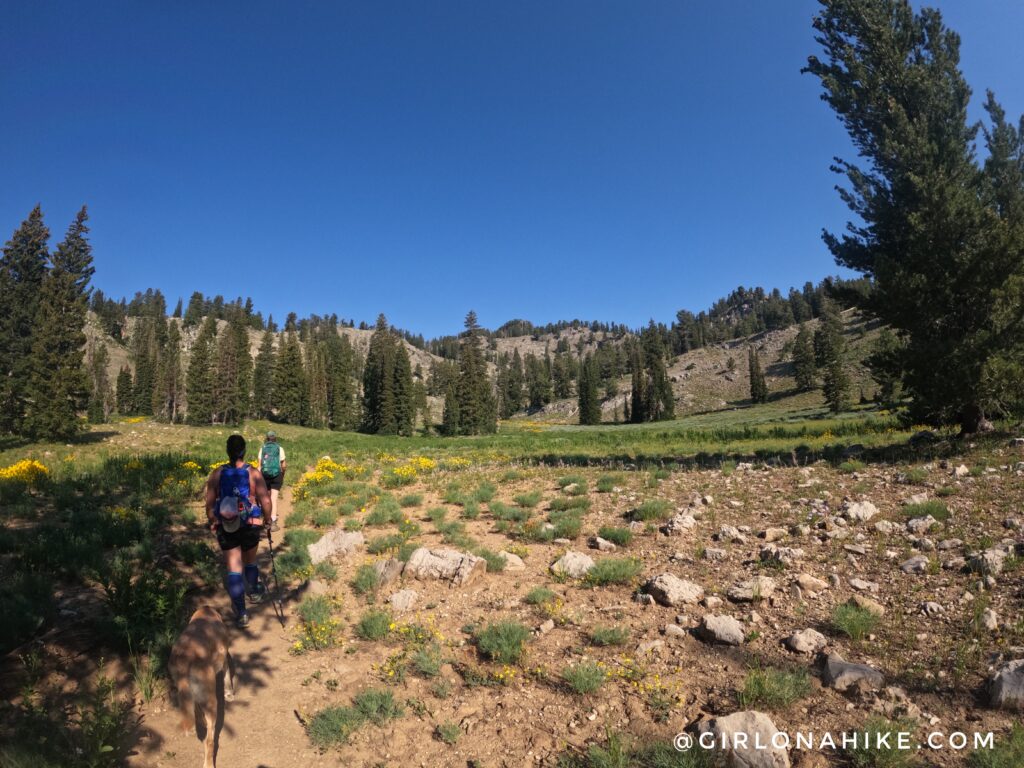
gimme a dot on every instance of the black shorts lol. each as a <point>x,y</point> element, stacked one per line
<point>247,537</point>
<point>274,483</point>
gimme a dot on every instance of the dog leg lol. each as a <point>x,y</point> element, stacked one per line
<point>229,676</point>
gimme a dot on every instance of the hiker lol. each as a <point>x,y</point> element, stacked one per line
<point>273,465</point>
<point>237,507</point>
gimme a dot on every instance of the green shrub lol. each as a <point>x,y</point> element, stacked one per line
<point>528,500</point>
<point>411,500</point>
<point>26,603</point>
<point>619,753</point>
<point>511,476</point>
<point>577,480</point>
<point>353,524</point>
<point>933,507</point>
<point>454,494</point>
<point>381,544</point>
<point>584,678</point>
<point>495,562</point>
<point>602,636</point>
<point>437,514</point>
<point>773,689</point>
<point>374,624</point>
<point>503,642</point>
<point>1007,753</point>
<point>427,660</point>
<point>945,491</point>
<point>470,510</point>
<point>605,483</point>
<point>484,492</point>
<point>317,627</point>
<point>653,509</point>
<point>366,580</point>
<point>613,570</point>
<point>915,476</point>
<point>616,535</point>
<point>387,511</point>
<point>539,596</point>
<point>567,525</point>
<point>324,517</point>
<point>377,705</point>
<point>503,511</point>
<point>448,733</point>
<point>333,725</point>
<point>849,467</point>
<point>853,621</point>
<point>564,503</point>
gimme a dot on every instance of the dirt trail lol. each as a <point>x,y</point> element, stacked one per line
<point>259,727</point>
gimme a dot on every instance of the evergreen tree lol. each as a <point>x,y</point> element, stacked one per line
<point>405,404</point>
<point>941,238</point>
<point>263,377</point>
<point>587,392</point>
<point>124,396</point>
<point>199,381</point>
<point>804,366</point>
<point>451,419</point>
<point>513,398</point>
<point>538,382</point>
<point>316,377</point>
<point>59,384</point>
<point>477,409</point>
<point>884,370</point>
<point>169,391</point>
<point>100,405</point>
<point>758,386</point>
<point>835,383</point>
<point>422,405</point>
<point>378,382</point>
<point>195,311</point>
<point>343,372</point>
<point>177,309</point>
<point>22,271</point>
<point>290,388</point>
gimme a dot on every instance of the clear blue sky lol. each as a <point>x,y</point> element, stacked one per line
<point>606,160</point>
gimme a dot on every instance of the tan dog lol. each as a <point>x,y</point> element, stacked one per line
<point>197,658</point>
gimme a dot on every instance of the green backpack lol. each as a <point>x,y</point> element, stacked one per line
<point>270,460</point>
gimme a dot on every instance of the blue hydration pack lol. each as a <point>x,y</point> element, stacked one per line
<point>234,481</point>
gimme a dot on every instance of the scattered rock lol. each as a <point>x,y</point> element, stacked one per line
<point>403,600</point>
<point>672,591</point>
<point>457,568</point>
<point>873,606</point>
<point>916,564</point>
<point>842,675</point>
<point>990,620</point>
<point>757,588</point>
<point>990,562</point>
<point>337,542</point>
<point>575,565</point>
<point>678,525</point>
<point>674,631</point>
<point>388,570</point>
<point>747,737</point>
<point>885,527</point>
<point>1006,688</point>
<point>806,641</point>
<point>931,608</point>
<point>721,629</point>
<point>863,586</point>
<point>773,553</point>
<point>810,583</point>
<point>512,562</point>
<point>710,553</point>
<point>921,525</point>
<point>859,511</point>
<point>773,534</point>
<point>602,545</point>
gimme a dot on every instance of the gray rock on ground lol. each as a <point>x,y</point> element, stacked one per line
<point>671,591</point>
<point>678,525</point>
<point>721,629</point>
<point>457,568</point>
<point>810,583</point>
<point>748,739</point>
<point>337,542</point>
<point>916,564</point>
<point>859,511</point>
<point>773,553</point>
<point>388,570</point>
<point>843,675</point>
<point>512,562</point>
<point>757,588</point>
<point>1006,688</point>
<point>872,606</point>
<point>602,545</point>
<point>403,600</point>
<point>806,641</point>
<point>575,565</point>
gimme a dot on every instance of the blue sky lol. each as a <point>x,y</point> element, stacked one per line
<point>602,160</point>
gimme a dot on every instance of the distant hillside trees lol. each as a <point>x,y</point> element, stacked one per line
<point>200,377</point>
<point>169,392</point>
<point>804,367</point>
<point>758,385</point>
<point>291,392</point>
<point>472,409</point>
<point>940,236</point>
<point>652,398</point>
<point>588,398</point>
<point>510,382</point>
<point>263,377</point>
<point>101,398</point>
<point>388,407</point>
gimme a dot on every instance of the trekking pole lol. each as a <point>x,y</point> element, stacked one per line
<point>278,605</point>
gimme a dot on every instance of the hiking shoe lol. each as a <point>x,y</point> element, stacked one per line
<point>257,594</point>
<point>242,621</point>
<point>275,527</point>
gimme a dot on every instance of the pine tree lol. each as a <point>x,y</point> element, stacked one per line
<point>169,391</point>
<point>59,384</point>
<point>97,360</point>
<point>477,408</point>
<point>316,377</point>
<point>342,371</point>
<point>883,368</point>
<point>378,382</point>
<point>263,377</point>
<point>758,386</point>
<point>124,396</point>
<point>199,382</point>
<point>452,418</point>
<point>804,367</point>
<point>290,387</point>
<point>836,384</point>
<point>538,382</point>
<point>405,406</point>
<point>513,398</point>
<point>195,311</point>
<point>941,238</point>
<point>640,397</point>
<point>587,392</point>
<point>23,268</point>
<point>177,309</point>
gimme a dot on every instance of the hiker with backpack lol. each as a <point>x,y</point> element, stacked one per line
<point>238,506</point>
<point>273,465</point>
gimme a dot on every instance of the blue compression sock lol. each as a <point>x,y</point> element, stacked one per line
<point>236,588</point>
<point>252,575</point>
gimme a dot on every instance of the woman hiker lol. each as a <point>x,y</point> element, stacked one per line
<point>238,506</point>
